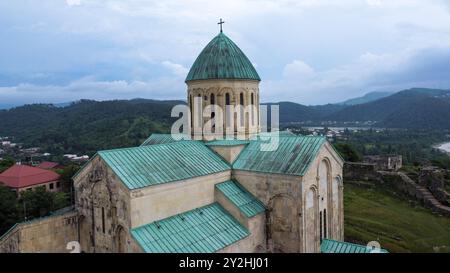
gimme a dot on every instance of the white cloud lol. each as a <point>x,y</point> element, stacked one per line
<point>90,88</point>
<point>374,2</point>
<point>298,69</point>
<point>310,51</point>
<point>369,72</point>
<point>177,69</point>
<point>73,2</point>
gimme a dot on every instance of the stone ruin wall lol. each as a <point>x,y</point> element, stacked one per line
<point>46,235</point>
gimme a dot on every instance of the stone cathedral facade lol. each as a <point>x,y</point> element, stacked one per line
<point>202,195</point>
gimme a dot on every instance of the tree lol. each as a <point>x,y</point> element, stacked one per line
<point>66,179</point>
<point>8,209</point>
<point>348,152</point>
<point>442,161</point>
<point>36,203</point>
<point>39,202</point>
<point>6,163</point>
<point>60,200</point>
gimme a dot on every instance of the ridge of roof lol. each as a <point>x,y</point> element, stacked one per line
<point>240,197</point>
<point>143,166</point>
<point>204,230</point>
<point>293,156</point>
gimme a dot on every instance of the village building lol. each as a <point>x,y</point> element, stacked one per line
<point>203,195</point>
<point>23,177</point>
<point>47,165</point>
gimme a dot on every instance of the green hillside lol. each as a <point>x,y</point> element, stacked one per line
<point>416,108</point>
<point>426,113</point>
<point>89,126</point>
<point>372,96</point>
<point>86,126</point>
<point>398,224</point>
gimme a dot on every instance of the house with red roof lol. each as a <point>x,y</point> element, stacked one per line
<point>24,177</point>
<point>47,165</point>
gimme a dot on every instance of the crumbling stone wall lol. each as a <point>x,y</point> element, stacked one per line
<point>403,183</point>
<point>46,235</point>
<point>360,171</point>
<point>385,162</point>
<point>434,181</point>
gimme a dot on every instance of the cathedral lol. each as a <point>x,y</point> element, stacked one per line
<point>202,194</point>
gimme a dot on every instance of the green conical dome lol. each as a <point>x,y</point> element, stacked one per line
<point>222,59</point>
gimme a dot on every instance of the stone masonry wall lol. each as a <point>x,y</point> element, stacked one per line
<point>46,235</point>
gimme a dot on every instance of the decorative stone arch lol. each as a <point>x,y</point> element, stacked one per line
<point>328,162</point>
<point>120,239</point>
<point>324,181</point>
<point>102,215</point>
<point>225,90</point>
<point>211,90</point>
<point>310,220</point>
<point>282,224</point>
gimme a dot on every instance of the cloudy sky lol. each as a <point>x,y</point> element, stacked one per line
<point>307,51</point>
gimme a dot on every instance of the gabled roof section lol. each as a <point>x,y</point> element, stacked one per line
<point>292,157</point>
<point>47,165</point>
<point>246,202</point>
<point>158,139</point>
<point>332,246</point>
<point>227,142</point>
<point>203,230</point>
<point>20,176</point>
<point>157,164</point>
<point>222,59</point>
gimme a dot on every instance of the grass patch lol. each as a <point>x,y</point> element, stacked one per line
<point>374,214</point>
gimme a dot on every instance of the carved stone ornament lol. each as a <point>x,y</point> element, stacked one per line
<point>96,175</point>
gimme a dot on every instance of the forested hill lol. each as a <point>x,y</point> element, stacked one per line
<point>372,96</point>
<point>87,126</point>
<point>413,108</point>
<point>417,108</point>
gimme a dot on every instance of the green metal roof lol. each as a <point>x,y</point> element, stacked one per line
<point>222,59</point>
<point>332,246</point>
<point>203,230</point>
<point>241,198</point>
<point>293,155</point>
<point>284,133</point>
<point>227,142</point>
<point>158,139</point>
<point>156,164</point>
<point>236,141</point>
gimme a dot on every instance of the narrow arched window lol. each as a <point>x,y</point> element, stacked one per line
<point>227,110</point>
<point>320,227</point>
<point>199,113</point>
<point>103,220</point>
<point>213,113</point>
<point>190,107</point>
<point>241,102</point>
<point>252,101</point>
